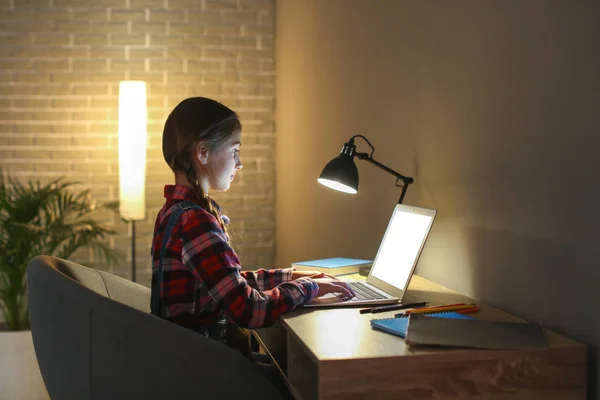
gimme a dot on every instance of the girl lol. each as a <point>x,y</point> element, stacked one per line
<point>197,281</point>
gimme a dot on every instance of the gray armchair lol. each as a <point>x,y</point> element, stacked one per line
<point>94,338</point>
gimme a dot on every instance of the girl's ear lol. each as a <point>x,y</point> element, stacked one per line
<point>202,154</point>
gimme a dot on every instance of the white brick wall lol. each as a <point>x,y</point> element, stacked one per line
<point>60,65</point>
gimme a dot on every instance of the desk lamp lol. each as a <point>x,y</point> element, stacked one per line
<point>341,173</point>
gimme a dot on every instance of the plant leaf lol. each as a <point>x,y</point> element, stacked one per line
<point>50,219</point>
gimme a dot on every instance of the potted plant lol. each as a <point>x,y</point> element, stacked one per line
<point>35,219</point>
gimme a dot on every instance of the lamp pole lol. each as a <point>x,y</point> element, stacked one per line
<point>133,277</point>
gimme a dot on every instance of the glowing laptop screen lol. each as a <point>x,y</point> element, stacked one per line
<point>401,246</point>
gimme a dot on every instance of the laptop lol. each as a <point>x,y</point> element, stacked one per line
<point>394,264</point>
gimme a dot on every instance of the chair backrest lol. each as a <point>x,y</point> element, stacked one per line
<point>94,338</point>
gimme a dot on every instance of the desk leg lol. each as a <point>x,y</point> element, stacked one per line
<point>273,341</point>
<point>291,359</point>
<point>303,372</point>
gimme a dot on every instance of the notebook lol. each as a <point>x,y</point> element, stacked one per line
<point>426,330</point>
<point>399,325</point>
<point>394,264</point>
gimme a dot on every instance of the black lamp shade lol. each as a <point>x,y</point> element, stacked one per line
<point>340,174</point>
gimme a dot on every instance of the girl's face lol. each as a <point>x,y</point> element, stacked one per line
<point>219,167</point>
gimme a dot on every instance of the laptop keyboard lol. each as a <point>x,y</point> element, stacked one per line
<point>362,292</point>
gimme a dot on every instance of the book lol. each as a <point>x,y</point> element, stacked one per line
<point>333,266</point>
<point>399,325</point>
<point>426,330</point>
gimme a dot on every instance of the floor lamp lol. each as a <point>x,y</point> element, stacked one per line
<point>132,156</point>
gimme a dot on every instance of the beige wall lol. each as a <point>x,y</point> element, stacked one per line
<point>60,65</point>
<point>492,107</point>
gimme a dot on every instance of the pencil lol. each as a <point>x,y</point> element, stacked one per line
<point>447,305</point>
<point>441,306</point>
<point>441,309</point>
<point>468,310</point>
<point>471,309</point>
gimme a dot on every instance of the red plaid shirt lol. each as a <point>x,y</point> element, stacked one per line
<point>202,274</point>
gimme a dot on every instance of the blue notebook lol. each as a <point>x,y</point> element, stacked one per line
<point>333,266</point>
<point>397,326</point>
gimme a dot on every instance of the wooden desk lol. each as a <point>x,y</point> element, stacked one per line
<point>335,354</point>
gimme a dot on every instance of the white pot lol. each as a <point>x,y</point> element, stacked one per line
<point>20,377</point>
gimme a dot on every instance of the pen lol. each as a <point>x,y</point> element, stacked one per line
<point>392,307</point>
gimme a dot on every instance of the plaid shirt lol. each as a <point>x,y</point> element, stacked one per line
<point>202,275</point>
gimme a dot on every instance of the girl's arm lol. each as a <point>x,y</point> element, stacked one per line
<point>266,279</point>
<point>211,259</point>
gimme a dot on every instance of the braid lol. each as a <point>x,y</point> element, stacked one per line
<point>204,200</point>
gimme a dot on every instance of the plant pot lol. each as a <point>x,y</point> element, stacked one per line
<point>20,377</point>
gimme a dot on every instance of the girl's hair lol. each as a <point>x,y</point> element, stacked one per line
<point>193,121</point>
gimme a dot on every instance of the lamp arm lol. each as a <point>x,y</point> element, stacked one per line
<point>364,156</point>
<point>406,180</point>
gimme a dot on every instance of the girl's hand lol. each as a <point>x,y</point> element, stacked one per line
<point>311,274</point>
<point>328,285</point>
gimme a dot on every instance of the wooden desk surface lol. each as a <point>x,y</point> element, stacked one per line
<point>338,349</point>
<point>344,333</point>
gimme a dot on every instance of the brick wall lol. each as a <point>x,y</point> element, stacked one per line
<point>60,65</point>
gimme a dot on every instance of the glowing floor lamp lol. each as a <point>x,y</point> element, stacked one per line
<point>132,156</point>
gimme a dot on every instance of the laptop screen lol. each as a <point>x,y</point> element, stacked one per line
<point>401,246</point>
